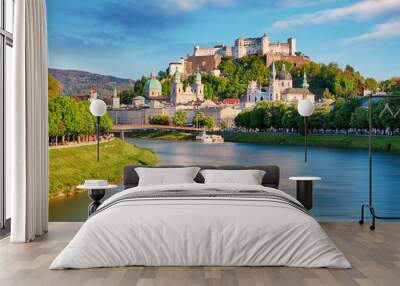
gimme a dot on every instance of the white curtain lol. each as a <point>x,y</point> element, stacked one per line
<point>26,124</point>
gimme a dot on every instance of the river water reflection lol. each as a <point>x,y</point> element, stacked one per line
<point>337,197</point>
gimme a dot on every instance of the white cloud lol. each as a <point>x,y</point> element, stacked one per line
<point>389,29</point>
<point>190,5</point>
<point>361,10</point>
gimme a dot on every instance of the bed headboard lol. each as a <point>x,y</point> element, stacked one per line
<point>271,177</point>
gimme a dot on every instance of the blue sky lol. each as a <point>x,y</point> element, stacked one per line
<point>130,38</point>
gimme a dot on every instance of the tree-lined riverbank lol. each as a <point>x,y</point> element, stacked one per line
<point>384,143</point>
<point>69,167</point>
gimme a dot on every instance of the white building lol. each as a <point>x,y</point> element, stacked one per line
<point>280,88</point>
<point>181,95</point>
<point>255,94</point>
<point>220,49</point>
<point>177,67</point>
<point>262,46</point>
<point>116,102</point>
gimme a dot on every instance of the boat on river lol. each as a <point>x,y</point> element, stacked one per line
<point>205,138</point>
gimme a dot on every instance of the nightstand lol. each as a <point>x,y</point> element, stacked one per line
<point>304,190</point>
<point>96,193</point>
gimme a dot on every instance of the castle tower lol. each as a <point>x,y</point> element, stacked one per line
<point>115,100</point>
<point>198,87</point>
<point>292,46</point>
<point>264,44</point>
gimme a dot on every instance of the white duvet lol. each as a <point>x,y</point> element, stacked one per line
<point>200,231</point>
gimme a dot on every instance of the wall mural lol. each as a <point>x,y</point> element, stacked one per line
<point>201,82</point>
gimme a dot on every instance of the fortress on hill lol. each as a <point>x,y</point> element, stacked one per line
<point>208,59</point>
<point>191,99</point>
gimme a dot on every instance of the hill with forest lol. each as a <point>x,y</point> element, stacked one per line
<point>75,82</point>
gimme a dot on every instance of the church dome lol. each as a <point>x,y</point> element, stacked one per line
<point>283,74</point>
<point>152,83</point>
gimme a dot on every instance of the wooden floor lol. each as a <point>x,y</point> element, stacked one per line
<point>375,257</point>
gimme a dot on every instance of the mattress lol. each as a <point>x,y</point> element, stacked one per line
<point>201,225</point>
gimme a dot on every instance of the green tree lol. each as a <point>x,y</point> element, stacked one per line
<point>138,89</point>
<point>201,120</point>
<point>291,118</point>
<point>359,118</point>
<point>371,84</point>
<point>273,114</point>
<point>390,85</point>
<point>68,110</point>
<point>160,119</point>
<point>327,94</point>
<point>180,118</point>
<point>243,119</point>
<point>87,122</point>
<point>126,96</point>
<point>162,75</point>
<point>106,123</point>
<point>319,119</point>
<point>55,87</point>
<point>165,87</point>
<point>257,116</point>
<point>343,111</point>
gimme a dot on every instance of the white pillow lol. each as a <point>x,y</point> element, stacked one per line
<point>247,177</point>
<point>166,176</point>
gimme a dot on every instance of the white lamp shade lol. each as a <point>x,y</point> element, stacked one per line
<point>98,107</point>
<point>305,107</point>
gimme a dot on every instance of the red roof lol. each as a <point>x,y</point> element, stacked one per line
<point>231,101</point>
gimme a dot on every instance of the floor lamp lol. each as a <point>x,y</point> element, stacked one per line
<point>305,109</point>
<point>370,202</point>
<point>98,108</point>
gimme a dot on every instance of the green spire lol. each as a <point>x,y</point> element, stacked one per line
<point>305,84</point>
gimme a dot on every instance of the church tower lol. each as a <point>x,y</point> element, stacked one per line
<point>273,85</point>
<point>176,87</point>
<point>198,87</point>
<point>115,100</point>
<point>93,93</point>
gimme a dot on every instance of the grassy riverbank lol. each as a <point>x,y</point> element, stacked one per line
<point>69,167</point>
<point>162,135</point>
<point>386,143</point>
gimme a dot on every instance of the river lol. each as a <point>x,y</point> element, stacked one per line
<point>344,185</point>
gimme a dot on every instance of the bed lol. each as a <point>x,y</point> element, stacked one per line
<point>198,224</point>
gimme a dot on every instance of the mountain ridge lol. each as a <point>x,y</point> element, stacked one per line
<point>77,82</point>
